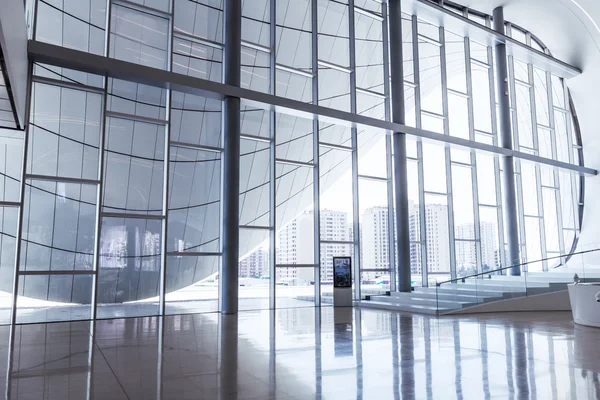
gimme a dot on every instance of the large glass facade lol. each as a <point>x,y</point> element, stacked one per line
<point>120,191</point>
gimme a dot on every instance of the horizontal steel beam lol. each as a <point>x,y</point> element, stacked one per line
<point>69,58</point>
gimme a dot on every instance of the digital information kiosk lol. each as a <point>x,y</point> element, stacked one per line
<point>342,282</point>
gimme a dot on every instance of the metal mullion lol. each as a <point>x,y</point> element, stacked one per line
<point>515,137</point>
<point>388,146</point>
<point>256,47</point>
<point>327,64</point>
<point>294,71</point>
<point>354,140</point>
<point>449,188</point>
<point>197,147</point>
<point>420,170</point>
<point>537,170</point>
<point>135,118</point>
<point>19,232</point>
<point>272,156</point>
<point>56,272</point>
<point>78,181</point>
<point>316,177</point>
<point>197,39</point>
<point>256,138</point>
<point>335,146</point>
<point>429,40</point>
<point>66,84</point>
<point>372,178</point>
<point>10,204</point>
<point>295,163</point>
<point>166,175</point>
<point>499,206</point>
<point>370,14</point>
<point>474,180</point>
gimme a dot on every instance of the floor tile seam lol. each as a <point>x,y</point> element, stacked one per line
<point>111,369</point>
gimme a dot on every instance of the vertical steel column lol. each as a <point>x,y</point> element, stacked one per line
<point>100,189</point>
<point>228,279</point>
<point>510,200</point>
<point>399,143</point>
<point>474,181</point>
<point>316,174</point>
<point>451,230</point>
<point>389,151</point>
<point>272,168</point>
<point>166,172</point>
<point>354,140</point>
<point>499,213</point>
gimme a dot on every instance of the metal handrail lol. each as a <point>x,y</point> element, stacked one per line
<point>462,278</point>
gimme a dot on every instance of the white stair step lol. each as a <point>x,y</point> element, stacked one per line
<point>433,302</point>
<point>402,307</point>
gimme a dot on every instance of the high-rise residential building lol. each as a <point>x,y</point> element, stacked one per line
<point>466,251</point>
<point>295,244</point>
<point>375,238</point>
<point>437,238</point>
<point>256,265</point>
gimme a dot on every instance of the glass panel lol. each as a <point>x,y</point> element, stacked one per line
<point>541,97</point>
<point>133,171</point>
<point>255,70</point>
<point>54,298</point>
<point>524,116</point>
<point>202,18</point>
<point>521,71</point>
<point>372,154</point>
<point>11,163</point>
<point>438,239</point>
<point>462,193</point>
<point>195,119</point>
<point>76,25</point>
<point>563,148</point>
<point>192,285</point>
<point>8,234</point>
<point>336,199</point>
<point>551,220</point>
<point>335,134</point>
<point>529,186</point>
<point>295,240</point>
<point>370,106</point>
<point>479,52</point>
<point>429,30</point>
<point>369,53</point>
<point>254,184</point>
<point>458,116</point>
<point>334,42</point>
<point>455,62</point>
<point>490,244</point>
<point>407,49</point>
<point>481,98</point>
<point>295,287</point>
<point>194,201</point>
<point>293,138</point>
<point>130,262</point>
<point>197,59</point>
<point>138,37</point>
<point>567,201</point>
<point>65,132</point>
<point>410,108</point>
<point>254,121</point>
<point>294,199</point>
<point>486,179</point>
<point>466,257</point>
<point>58,226</point>
<point>293,86</point>
<point>293,32</point>
<point>136,99</point>
<point>162,5</point>
<point>431,77</point>
<point>558,92</point>
<point>375,234</point>
<point>534,247</point>
<point>374,282</point>
<point>334,88</point>
<point>434,167</point>
<point>255,21</point>
<point>253,290</point>
<point>432,123</point>
<point>68,75</point>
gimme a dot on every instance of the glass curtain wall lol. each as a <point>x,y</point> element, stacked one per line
<point>120,188</point>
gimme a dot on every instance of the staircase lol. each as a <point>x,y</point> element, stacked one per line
<point>475,290</point>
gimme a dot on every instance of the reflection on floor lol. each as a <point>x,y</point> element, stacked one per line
<point>305,354</point>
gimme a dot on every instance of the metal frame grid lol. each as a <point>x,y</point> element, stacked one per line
<point>316,144</point>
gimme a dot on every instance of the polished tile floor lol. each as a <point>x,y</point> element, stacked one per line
<point>303,354</point>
